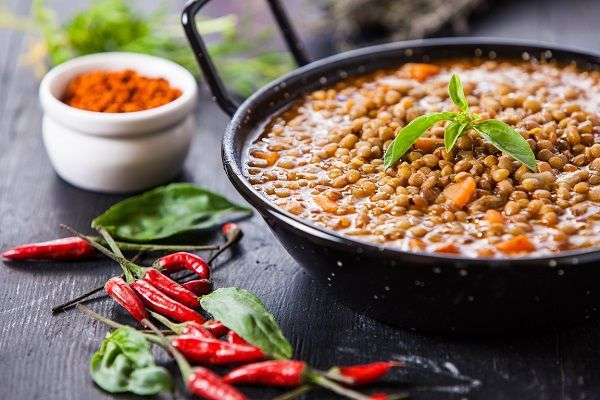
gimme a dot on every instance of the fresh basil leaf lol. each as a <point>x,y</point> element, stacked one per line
<point>149,380</point>
<point>452,133</point>
<point>244,313</point>
<point>167,211</point>
<point>410,133</point>
<point>124,363</point>
<point>457,93</point>
<point>507,140</point>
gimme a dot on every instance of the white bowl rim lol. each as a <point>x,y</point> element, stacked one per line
<point>53,105</point>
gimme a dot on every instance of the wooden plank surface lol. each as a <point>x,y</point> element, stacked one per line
<point>45,357</point>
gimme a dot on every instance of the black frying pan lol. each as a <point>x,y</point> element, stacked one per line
<point>423,291</point>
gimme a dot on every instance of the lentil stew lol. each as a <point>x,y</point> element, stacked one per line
<point>321,159</point>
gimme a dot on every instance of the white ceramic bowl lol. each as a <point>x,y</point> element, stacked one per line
<point>118,152</point>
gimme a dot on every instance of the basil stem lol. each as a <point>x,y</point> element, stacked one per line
<point>452,133</point>
<point>407,135</point>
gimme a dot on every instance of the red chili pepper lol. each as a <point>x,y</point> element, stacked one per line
<point>281,373</point>
<point>215,352</point>
<point>171,288</point>
<point>199,287</point>
<point>193,328</point>
<point>163,304</point>
<point>182,260</point>
<point>216,327</point>
<point>234,338</point>
<point>71,248</point>
<point>123,294</point>
<point>230,230</point>
<point>378,396</point>
<point>366,373</point>
<point>208,385</point>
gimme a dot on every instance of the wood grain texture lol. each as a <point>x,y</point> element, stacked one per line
<point>47,357</point>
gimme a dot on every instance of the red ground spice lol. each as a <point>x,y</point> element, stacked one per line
<point>118,91</point>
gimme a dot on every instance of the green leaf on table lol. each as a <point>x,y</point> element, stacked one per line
<point>244,313</point>
<point>507,140</point>
<point>167,211</point>
<point>452,133</point>
<point>124,363</point>
<point>457,93</point>
<point>410,133</point>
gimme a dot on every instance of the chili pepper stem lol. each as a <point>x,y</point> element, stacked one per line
<point>130,270</point>
<point>75,301</point>
<point>230,242</point>
<point>120,259</point>
<point>166,322</point>
<point>124,246</point>
<point>328,384</point>
<point>94,315</point>
<point>293,394</point>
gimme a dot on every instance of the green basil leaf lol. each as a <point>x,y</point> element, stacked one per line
<point>457,93</point>
<point>244,313</point>
<point>410,133</point>
<point>133,345</point>
<point>149,380</point>
<point>124,363</point>
<point>507,140</point>
<point>452,133</point>
<point>167,211</point>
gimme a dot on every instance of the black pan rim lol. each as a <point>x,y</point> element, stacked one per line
<point>234,171</point>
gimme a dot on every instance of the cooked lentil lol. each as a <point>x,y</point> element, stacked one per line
<point>321,160</point>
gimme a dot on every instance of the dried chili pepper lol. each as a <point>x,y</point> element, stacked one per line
<point>280,373</point>
<point>215,352</point>
<point>163,304</point>
<point>206,384</point>
<point>365,373</point>
<point>216,327</point>
<point>171,288</point>
<point>71,248</point>
<point>192,328</point>
<point>199,287</point>
<point>378,396</point>
<point>182,260</point>
<point>234,338</point>
<point>231,231</point>
<point>123,294</point>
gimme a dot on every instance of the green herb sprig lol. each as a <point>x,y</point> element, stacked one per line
<point>493,131</point>
<point>115,25</point>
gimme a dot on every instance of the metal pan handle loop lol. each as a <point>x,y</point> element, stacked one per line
<point>217,87</point>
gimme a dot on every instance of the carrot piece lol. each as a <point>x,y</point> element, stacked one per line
<point>421,72</point>
<point>518,244</point>
<point>494,217</point>
<point>460,194</point>
<point>325,203</point>
<point>486,252</point>
<point>447,248</point>
<point>428,144</point>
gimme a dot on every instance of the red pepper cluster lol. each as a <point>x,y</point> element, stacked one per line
<point>201,342</point>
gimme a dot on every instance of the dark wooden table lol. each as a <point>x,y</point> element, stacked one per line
<point>42,356</point>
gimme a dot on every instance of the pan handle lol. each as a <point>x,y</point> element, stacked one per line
<point>224,99</point>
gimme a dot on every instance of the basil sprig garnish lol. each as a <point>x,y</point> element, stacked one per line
<point>495,132</point>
